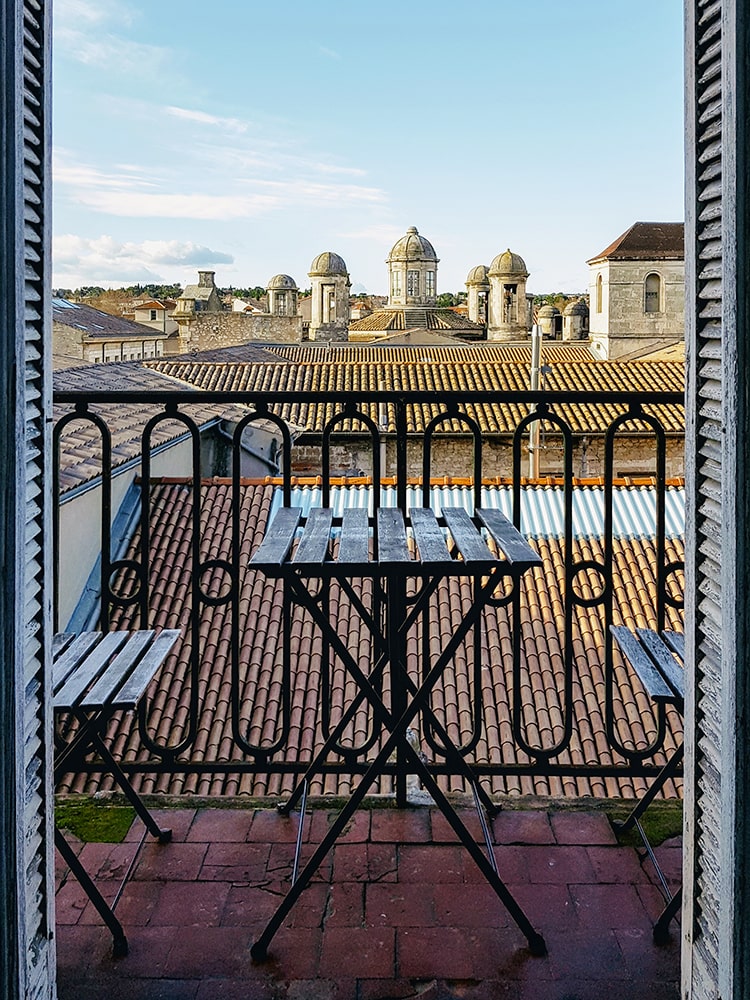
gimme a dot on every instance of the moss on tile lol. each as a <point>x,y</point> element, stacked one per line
<point>661,821</point>
<point>90,820</point>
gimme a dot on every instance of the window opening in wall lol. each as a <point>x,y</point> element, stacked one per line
<point>412,283</point>
<point>653,294</point>
<point>429,283</point>
<point>396,283</point>
<point>599,284</point>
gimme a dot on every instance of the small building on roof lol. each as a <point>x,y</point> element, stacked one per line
<point>82,334</point>
<point>203,297</point>
<point>637,291</point>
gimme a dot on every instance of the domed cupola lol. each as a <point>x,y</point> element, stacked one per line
<point>282,295</point>
<point>329,311</point>
<point>412,270</point>
<point>508,312</point>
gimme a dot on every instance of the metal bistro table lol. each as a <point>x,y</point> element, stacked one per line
<point>389,560</point>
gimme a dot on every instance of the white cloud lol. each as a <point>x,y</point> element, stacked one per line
<point>77,260</point>
<point>92,12</point>
<point>111,52</point>
<point>203,118</point>
<point>329,53</point>
<point>130,191</point>
<point>192,205</point>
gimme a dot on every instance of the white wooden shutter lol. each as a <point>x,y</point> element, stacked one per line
<point>26,904</point>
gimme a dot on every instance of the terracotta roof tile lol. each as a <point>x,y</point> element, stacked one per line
<point>541,681</point>
<point>440,377</point>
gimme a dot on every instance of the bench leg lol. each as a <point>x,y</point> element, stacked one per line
<point>668,771</point>
<point>164,836</point>
<point>661,927</point>
<point>119,941</point>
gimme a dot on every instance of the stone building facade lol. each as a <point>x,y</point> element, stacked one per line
<point>208,331</point>
<point>637,291</point>
<point>452,455</point>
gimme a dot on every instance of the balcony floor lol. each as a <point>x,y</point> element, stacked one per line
<point>398,910</point>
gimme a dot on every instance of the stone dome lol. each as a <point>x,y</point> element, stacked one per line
<point>328,263</point>
<point>547,312</point>
<point>478,275</point>
<point>281,282</point>
<point>412,247</point>
<point>509,263</point>
<point>576,308</point>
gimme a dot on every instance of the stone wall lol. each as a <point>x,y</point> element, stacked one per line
<point>623,327</point>
<point>207,331</point>
<point>453,456</point>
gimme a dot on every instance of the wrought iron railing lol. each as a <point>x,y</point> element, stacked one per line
<point>587,581</point>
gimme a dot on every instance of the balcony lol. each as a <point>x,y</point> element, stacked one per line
<point>549,717</point>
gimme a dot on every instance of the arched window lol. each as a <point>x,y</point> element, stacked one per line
<point>599,284</point>
<point>652,298</point>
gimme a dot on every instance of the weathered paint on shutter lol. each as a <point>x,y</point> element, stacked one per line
<point>37,766</point>
<point>715,940</point>
<point>27,897</point>
<point>704,458</point>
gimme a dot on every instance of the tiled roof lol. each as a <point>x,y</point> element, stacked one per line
<point>398,319</point>
<point>80,441</point>
<point>99,325</point>
<point>261,662</point>
<point>647,241</point>
<point>239,352</point>
<point>457,353</point>
<point>438,378</point>
<point>198,292</point>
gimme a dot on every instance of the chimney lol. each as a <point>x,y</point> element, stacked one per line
<point>206,279</point>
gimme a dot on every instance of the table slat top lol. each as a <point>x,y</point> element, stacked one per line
<point>421,544</point>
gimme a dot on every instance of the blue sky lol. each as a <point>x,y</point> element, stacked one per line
<point>247,137</point>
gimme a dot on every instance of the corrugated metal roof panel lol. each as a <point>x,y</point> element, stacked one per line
<point>542,507</point>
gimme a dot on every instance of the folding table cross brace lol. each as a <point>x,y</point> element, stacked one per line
<point>389,561</point>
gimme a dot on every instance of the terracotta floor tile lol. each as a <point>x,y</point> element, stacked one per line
<point>431,862</point>
<point>358,952</point>
<point>574,827</point>
<point>293,954</point>
<point>521,826</point>
<point>399,904</point>
<point>365,862</point>
<point>357,829</point>
<point>190,904</point>
<point>616,864</point>
<point>399,827</point>
<point>434,952</point>
<point>559,865</point>
<point>215,826</point>
<point>176,820</point>
<point>609,906</point>
<point>396,920</point>
<point>199,951</point>
<point>476,905</point>
<point>443,831</point>
<point>270,827</point>
<point>171,862</point>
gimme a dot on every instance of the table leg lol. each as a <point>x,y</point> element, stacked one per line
<point>119,941</point>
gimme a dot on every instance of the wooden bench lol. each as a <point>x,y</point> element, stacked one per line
<point>94,675</point>
<point>658,660</point>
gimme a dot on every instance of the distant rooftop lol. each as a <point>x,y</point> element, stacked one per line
<point>647,241</point>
